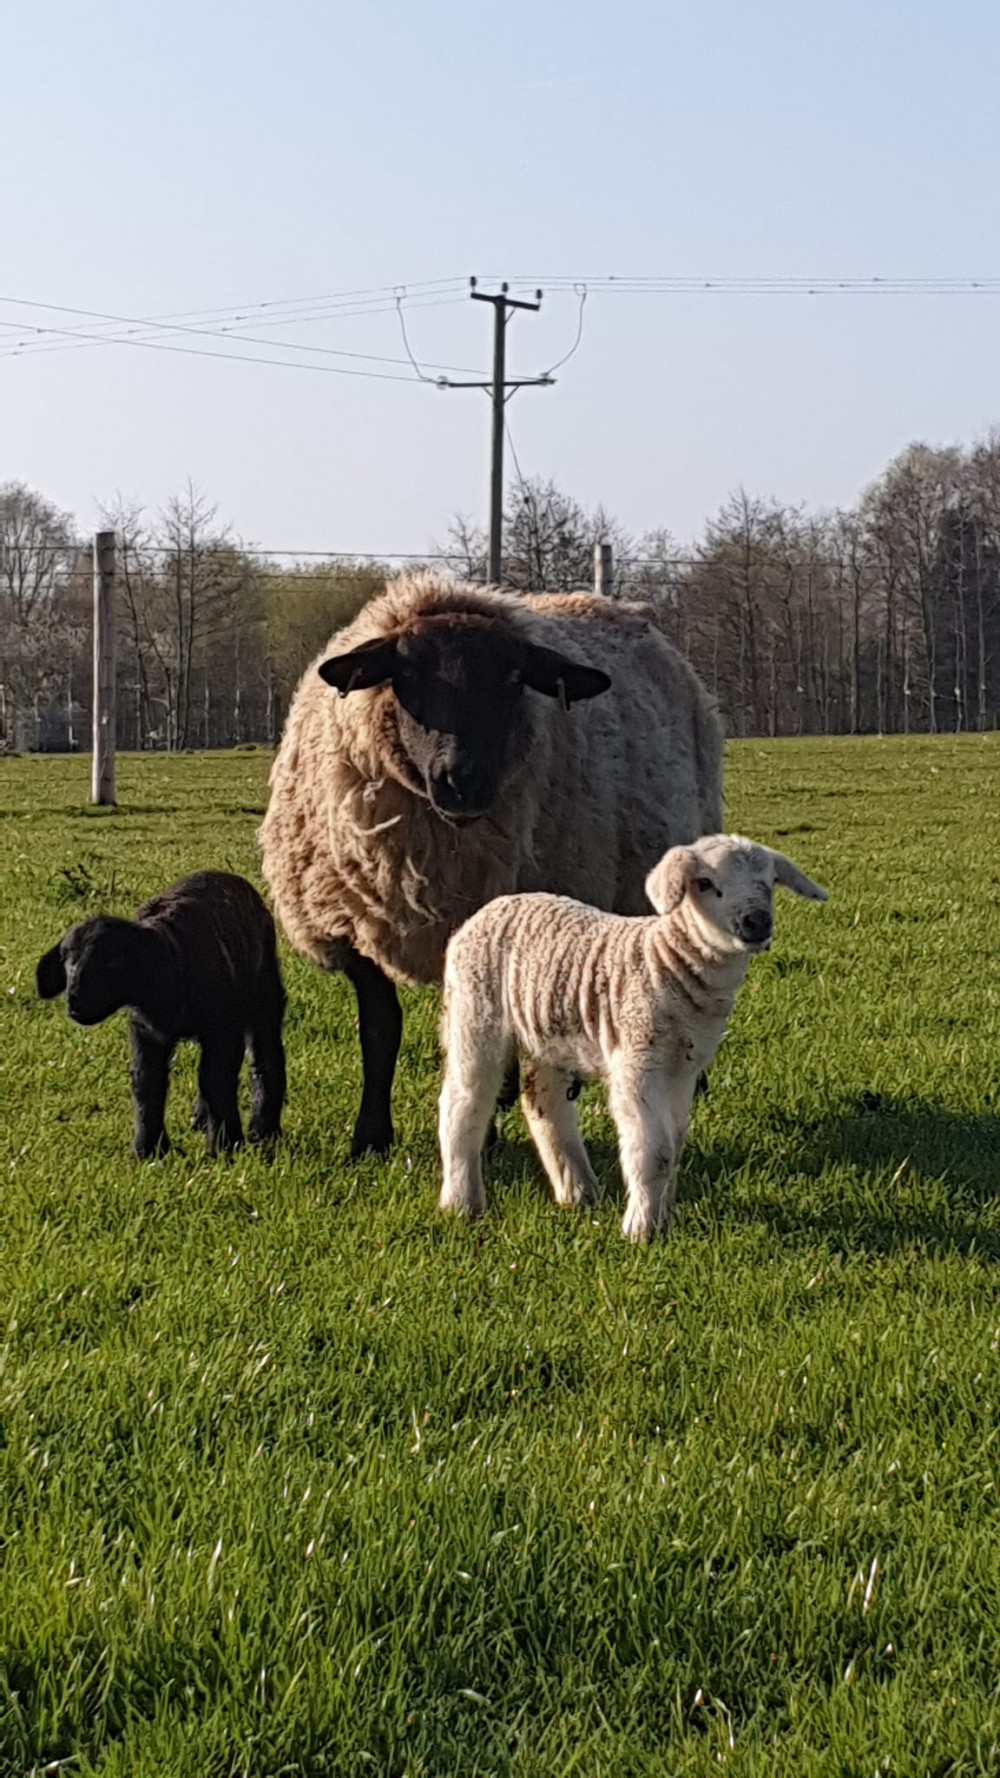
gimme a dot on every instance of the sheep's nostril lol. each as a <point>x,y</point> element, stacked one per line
<point>756,928</point>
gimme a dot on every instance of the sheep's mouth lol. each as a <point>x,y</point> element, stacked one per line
<point>456,819</point>
<point>85,1015</point>
<point>753,945</point>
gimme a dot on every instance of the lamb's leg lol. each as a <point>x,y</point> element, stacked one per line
<point>468,1095</point>
<point>150,1078</point>
<point>267,1071</point>
<point>549,1107</point>
<point>218,1087</point>
<point>651,1129</point>
<point>380,1025</point>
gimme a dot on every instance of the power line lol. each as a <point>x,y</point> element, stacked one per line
<point>683,285</point>
<point>581,290</point>
<point>345,555</point>
<point>334,370</point>
<point>82,336</point>
<point>290,311</point>
<point>24,348</point>
<point>409,350</point>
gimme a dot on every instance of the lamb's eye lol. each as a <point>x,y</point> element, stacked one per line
<point>705,884</point>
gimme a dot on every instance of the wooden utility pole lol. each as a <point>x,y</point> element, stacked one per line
<point>503,307</point>
<point>102,786</point>
<point>603,569</point>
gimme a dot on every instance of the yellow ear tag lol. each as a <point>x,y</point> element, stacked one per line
<point>563,699</point>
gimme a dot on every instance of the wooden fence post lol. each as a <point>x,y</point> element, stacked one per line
<point>603,569</point>
<point>102,784</point>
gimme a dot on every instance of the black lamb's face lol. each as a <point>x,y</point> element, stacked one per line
<point>95,966</point>
<point>458,681</point>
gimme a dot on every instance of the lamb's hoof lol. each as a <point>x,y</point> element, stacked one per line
<point>638,1226</point>
<point>150,1151</point>
<point>265,1137</point>
<point>370,1140</point>
<point>470,1209</point>
<point>222,1143</point>
<point>575,1195</point>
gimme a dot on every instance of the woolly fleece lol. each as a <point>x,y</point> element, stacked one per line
<point>589,798</point>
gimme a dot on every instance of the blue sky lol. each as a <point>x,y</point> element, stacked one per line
<point>189,157</point>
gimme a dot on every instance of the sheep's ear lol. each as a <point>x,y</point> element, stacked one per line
<point>50,975</point>
<point>791,877</point>
<point>363,667</point>
<point>668,882</point>
<point>554,674</point>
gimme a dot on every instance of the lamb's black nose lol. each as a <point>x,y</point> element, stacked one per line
<point>756,927</point>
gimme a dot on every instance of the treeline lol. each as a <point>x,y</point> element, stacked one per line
<point>883,618</point>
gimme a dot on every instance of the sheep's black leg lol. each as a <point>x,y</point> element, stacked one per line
<point>267,1073</point>
<point>510,1092</point>
<point>380,1023</point>
<point>218,1083</point>
<point>150,1077</point>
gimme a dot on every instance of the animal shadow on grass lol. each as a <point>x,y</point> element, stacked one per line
<point>910,1139</point>
<point>870,1134</point>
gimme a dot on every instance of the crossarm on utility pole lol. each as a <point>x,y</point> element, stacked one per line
<point>503,306</point>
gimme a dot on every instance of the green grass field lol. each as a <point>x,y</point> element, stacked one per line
<point>297,1478</point>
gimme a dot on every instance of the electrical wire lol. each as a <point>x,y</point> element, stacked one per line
<point>581,290</point>
<point>682,285</point>
<point>289,310</point>
<point>517,467</point>
<point>138,334</point>
<point>406,342</point>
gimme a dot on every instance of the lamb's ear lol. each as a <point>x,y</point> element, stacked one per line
<point>545,670</point>
<point>791,877</point>
<point>669,881</point>
<point>50,975</point>
<point>361,668</point>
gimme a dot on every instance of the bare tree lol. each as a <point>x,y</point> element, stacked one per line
<point>41,617</point>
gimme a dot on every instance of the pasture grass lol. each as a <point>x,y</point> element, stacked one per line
<point>297,1478</point>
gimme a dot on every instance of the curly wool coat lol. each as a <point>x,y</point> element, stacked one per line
<point>590,797</point>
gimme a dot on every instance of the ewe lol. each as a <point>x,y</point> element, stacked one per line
<point>483,743</point>
<point>641,1002</point>
<point>198,961</point>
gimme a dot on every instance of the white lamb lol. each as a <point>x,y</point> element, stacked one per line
<point>642,1002</point>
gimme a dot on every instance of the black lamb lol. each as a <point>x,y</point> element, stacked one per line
<point>199,961</point>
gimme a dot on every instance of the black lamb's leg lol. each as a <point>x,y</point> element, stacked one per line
<point>267,1071</point>
<point>218,1088</point>
<point>380,1023</point>
<point>150,1078</point>
<point>510,1092</point>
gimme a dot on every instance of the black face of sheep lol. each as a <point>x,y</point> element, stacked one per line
<point>458,681</point>
<point>99,966</point>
